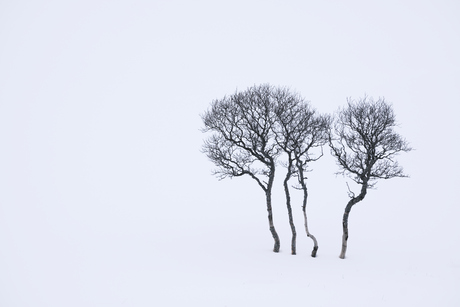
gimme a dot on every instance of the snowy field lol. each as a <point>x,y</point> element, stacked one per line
<point>106,199</point>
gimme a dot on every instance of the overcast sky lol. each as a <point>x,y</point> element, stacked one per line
<point>100,100</point>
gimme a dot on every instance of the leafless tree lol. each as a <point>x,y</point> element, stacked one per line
<point>315,135</point>
<point>243,141</point>
<point>299,129</point>
<point>365,144</point>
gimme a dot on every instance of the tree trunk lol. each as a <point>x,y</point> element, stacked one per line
<point>276,248</point>
<point>268,195</point>
<point>350,204</point>
<point>289,208</point>
<point>315,243</point>
<point>345,230</point>
<point>304,209</point>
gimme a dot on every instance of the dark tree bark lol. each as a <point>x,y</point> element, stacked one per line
<point>268,196</point>
<point>288,204</point>
<point>364,143</point>
<point>276,247</point>
<point>353,201</point>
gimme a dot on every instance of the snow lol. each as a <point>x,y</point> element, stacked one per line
<point>106,199</point>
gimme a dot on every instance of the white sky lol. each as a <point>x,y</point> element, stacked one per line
<point>99,121</point>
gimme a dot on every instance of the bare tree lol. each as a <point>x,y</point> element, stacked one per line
<point>299,129</point>
<point>364,143</point>
<point>315,130</point>
<point>287,113</point>
<point>243,141</point>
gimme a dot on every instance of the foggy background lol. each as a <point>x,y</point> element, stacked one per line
<point>106,199</point>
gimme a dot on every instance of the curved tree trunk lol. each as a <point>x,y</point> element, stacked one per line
<point>345,229</point>
<point>275,236</point>
<point>315,242</point>
<point>304,209</point>
<point>268,195</point>
<point>350,204</point>
<point>289,208</point>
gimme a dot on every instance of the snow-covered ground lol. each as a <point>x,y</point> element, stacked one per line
<point>211,247</point>
<point>106,200</point>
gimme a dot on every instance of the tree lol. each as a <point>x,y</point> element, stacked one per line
<point>315,130</point>
<point>243,141</point>
<point>364,143</point>
<point>299,130</point>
